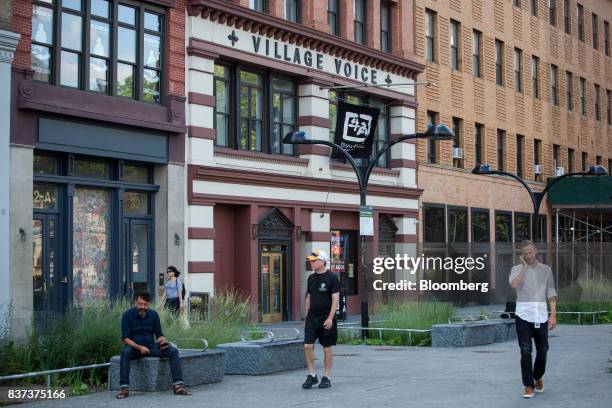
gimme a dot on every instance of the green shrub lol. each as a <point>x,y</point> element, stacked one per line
<point>402,314</point>
<point>594,295</point>
<point>230,314</point>
<point>92,335</point>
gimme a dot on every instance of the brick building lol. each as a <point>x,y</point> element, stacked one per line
<point>527,88</point>
<point>97,140</point>
<point>255,207</point>
<point>8,43</point>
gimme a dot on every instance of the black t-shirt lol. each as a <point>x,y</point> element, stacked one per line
<point>321,286</point>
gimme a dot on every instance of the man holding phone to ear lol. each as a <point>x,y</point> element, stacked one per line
<point>143,337</point>
<point>534,285</point>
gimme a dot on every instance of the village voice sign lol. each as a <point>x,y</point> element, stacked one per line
<point>290,53</point>
<point>355,129</point>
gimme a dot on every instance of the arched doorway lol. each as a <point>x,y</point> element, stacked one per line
<point>274,233</point>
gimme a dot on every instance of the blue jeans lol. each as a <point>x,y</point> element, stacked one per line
<point>525,332</point>
<point>129,353</point>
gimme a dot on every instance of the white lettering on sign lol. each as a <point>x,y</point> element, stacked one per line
<point>275,49</point>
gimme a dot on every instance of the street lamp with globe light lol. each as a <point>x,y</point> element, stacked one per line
<point>435,132</point>
<point>537,197</point>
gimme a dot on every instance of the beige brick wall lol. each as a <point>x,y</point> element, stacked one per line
<point>480,100</point>
<point>6,12</point>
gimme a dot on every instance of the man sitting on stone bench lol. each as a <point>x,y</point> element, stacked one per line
<point>140,327</point>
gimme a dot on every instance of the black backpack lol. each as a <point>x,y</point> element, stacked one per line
<point>183,285</point>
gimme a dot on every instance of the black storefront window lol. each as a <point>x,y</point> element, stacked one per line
<point>344,260</point>
<point>433,226</point>
<point>521,227</point>
<point>457,224</point>
<point>101,46</point>
<point>253,109</point>
<point>93,229</point>
<point>135,173</point>
<point>480,225</point>
<point>540,230</point>
<point>381,136</point>
<point>503,226</point>
<point>136,203</point>
<point>45,196</point>
<point>45,164</point>
<point>89,168</point>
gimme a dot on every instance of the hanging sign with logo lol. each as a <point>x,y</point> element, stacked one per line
<point>355,128</point>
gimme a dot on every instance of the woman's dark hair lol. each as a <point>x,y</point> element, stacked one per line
<point>174,270</point>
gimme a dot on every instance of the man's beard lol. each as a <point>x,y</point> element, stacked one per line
<point>142,312</point>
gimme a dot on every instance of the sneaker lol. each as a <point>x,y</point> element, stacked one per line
<point>325,382</point>
<point>310,381</point>
<point>528,392</point>
<point>539,385</point>
<point>123,393</point>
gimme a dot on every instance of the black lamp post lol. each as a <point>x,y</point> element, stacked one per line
<point>538,197</point>
<point>436,132</point>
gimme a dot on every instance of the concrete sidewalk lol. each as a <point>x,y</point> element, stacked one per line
<point>412,377</point>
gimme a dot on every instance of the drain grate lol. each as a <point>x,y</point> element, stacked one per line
<point>489,351</point>
<point>345,355</point>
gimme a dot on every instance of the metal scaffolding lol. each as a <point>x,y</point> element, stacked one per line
<point>582,245</point>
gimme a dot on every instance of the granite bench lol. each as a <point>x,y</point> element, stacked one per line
<point>263,357</point>
<point>462,334</point>
<point>153,373</point>
<point>505,329</point>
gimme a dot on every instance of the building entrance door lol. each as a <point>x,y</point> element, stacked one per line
<point>44,263</point>
<point>271,269</point>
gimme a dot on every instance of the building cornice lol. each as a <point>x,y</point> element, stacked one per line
<point>8,44</point>
<point>240,17</point>
<point>267,179</point>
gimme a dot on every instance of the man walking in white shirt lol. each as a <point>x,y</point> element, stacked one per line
<point>534,285</point>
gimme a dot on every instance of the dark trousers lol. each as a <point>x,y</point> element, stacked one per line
<point>525,332</point>
<point>128,354</point>
<point>173,304</point>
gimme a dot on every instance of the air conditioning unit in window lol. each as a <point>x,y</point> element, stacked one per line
<point>559,171</point>
<point>537,169</point>
<point>457,153</point>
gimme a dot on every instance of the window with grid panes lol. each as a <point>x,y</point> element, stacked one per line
<point>253,109</point>
<point>101,46</point>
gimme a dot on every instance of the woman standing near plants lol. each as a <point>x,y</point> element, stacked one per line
<point>173,297</point>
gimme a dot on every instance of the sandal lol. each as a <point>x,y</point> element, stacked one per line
<point>180,390</point>
<point>123,393</point>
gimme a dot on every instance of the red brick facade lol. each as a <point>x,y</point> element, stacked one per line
<point>314,15</point>
<point>22,24</point>
<point>174,47</point>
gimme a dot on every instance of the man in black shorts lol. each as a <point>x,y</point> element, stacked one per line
<point>322,296</point>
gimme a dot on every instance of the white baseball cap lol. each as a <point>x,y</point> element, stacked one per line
<point>318,254</point>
